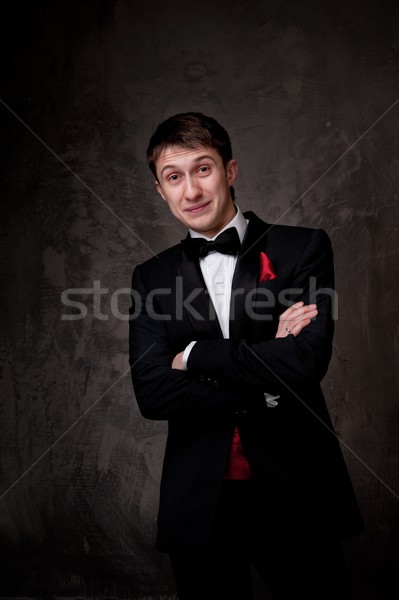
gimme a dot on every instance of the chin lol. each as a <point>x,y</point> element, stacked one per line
<point>201,226</point>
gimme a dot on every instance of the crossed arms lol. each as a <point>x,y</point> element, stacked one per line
<point>302,358</point>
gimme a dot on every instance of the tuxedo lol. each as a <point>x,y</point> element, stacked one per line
<point>297,469</point>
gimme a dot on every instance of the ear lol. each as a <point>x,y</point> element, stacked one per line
<point>159,190</point>
<point>232,171</point>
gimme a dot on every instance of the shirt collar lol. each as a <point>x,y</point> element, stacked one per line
<point>238,221</point>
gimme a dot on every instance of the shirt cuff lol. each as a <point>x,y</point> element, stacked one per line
<point>186,354</point>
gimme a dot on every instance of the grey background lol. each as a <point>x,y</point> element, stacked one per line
<point>303,88</point>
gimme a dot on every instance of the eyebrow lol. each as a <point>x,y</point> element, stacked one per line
<point>196,160</point>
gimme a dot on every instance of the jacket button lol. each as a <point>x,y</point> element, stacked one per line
<point>241,413</point>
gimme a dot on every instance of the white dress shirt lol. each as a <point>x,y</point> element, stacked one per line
<point>218,270</point>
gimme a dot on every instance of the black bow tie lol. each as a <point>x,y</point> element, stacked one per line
<point>227,242</point>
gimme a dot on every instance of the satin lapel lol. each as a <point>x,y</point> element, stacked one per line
<point>246,277</point>
<point>195,303</point>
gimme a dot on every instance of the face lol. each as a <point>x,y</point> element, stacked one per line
<point>195,184</point>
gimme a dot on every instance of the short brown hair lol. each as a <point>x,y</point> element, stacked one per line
<point>189,130</point>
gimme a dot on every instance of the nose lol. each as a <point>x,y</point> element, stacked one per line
<point>192,190</point>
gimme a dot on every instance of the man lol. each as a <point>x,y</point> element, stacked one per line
<point>228,345</point>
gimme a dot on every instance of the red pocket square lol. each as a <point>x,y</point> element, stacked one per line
<point>266,268</point>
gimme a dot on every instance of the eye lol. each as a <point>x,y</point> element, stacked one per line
<point>204,169</point>
<point>172,178</point>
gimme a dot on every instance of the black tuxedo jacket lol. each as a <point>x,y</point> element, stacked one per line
<point>297,467</point>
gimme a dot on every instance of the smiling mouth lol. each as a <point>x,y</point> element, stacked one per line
<point>198,207</point>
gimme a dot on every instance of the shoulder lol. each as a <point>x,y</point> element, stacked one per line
<point>170,255</point>
<point>160,266</point>
<point>299,237</point>
<point>289,235</point>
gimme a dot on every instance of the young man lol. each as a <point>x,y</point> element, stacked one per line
<point>228,345</point>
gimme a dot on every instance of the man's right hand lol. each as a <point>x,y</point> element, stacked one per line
<point>295,318</point>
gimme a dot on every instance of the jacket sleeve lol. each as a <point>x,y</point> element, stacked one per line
<point>164,393</point>
<point>291,360</point>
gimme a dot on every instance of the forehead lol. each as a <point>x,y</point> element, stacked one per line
<point>174,156</point>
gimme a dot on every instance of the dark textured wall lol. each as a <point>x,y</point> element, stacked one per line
<point>307,90</point>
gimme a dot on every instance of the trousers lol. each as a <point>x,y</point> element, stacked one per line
<point>294,565</point>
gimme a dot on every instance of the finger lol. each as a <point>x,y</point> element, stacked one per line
<point>299,307</point>
<point>306,315</point>
<point>296,330</point>
<point>293,307</point>
<point>296,326</point>
<point>293,313</point>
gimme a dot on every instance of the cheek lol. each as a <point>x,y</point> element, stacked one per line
<point>172,200</point>
<point>173,206</point>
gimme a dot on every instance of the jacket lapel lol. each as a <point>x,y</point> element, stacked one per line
<point>197,306</point>
<point>246,278</point>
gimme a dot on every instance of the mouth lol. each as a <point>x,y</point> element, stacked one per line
<point>198,208</point>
